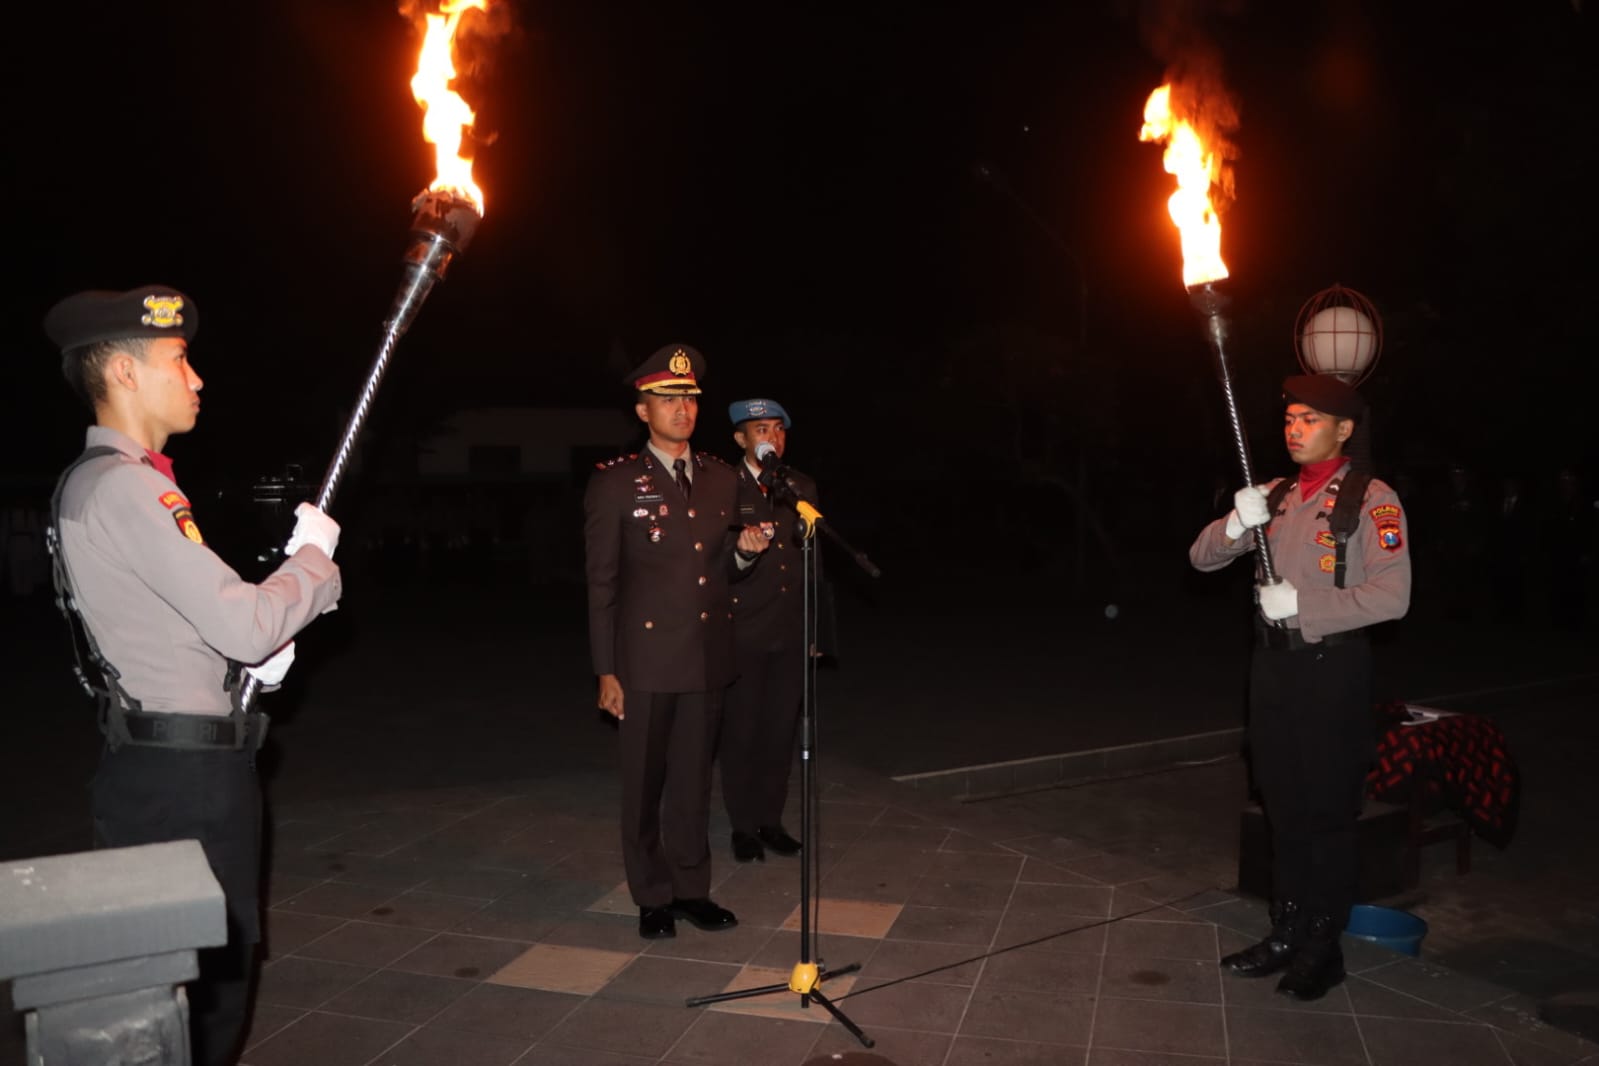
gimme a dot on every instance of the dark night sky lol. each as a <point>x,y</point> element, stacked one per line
<point>792,189</point>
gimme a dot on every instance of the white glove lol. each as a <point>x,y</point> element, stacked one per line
<point>312,526</point>
<point>272,669</point>
<point>1249,510</point>
<point>1278,601</point>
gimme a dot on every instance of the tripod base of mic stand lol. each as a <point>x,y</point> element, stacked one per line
<point>805,980</point>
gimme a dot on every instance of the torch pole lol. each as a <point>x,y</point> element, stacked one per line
<point>1211,303</point>
<point>442,225</point>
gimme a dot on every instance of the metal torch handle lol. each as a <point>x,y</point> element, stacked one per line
<point>1210,303</point>
<point>421,275</point>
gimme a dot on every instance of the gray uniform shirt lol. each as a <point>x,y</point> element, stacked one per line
<point>166,611</point>
<point>1377,559</point>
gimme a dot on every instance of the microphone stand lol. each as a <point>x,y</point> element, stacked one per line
<point>806,977</point>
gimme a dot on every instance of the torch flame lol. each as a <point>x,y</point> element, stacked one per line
<point>1197,167</point>
<point>445,114</point>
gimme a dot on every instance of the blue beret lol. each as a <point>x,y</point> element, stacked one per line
<point>748,410</point>
<point>148,311</point>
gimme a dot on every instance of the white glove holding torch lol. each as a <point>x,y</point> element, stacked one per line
<point>1249,511</point>
<point>312,526</point>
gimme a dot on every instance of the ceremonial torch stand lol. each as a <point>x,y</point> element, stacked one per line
<point>442,225</point>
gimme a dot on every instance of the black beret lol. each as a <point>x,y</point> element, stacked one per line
<point>1326,394</point>
<point>148,311</point>
<point>674,370</point>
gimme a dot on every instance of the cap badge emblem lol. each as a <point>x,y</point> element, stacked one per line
<point>163,312</point>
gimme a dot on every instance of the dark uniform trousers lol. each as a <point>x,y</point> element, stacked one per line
<point>1312,741</point>
<point>148,795</point>
<point>668,740</point>
<point>758,728</point>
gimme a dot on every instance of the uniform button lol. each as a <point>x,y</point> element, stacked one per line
<point>702,579</point>
<point>649,625</point>
<point>782,566</point>
<point>780,545</point>
<point>735,600</point>
<point>782,588</point>
<point>691,512</point>
<point>705,616</point>
<point>698,546</point>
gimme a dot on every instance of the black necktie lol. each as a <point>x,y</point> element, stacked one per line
<point>680,474</point>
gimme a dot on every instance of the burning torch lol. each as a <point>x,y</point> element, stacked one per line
<point>1197,166</point>
<point>444,216</point>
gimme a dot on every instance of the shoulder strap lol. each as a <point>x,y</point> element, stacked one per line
<point>108,693</point>
<point>1345,517</point>
<point>1279,492</point>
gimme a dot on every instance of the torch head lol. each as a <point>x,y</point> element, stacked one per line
<point>442,225</point>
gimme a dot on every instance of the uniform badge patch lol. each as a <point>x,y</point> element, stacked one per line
<point>1328,563</point>
<point>664,511</point>
<point>640,512</point>
<point>1329,503</point>
<point>1386,510</point>
<point>186,524</point>
<point>170,500</point>
<point>1326,539</point>
<point>1388,536</point>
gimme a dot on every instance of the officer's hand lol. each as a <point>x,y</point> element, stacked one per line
<point>753,540</point>
<point>312,526</point>
<point>610,699</point>
<point>1278,601</point>
<point>1249,510</point>
<point>272,669</point>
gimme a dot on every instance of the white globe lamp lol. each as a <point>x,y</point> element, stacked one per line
<point>1339,332</point>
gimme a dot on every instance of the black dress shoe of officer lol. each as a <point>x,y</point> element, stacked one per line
<point>747,848</point>
<point>655,923</point>
<point>1319,965</point>
<point>704,914</point>
<point>777,838</point>
<point>1273,954</point>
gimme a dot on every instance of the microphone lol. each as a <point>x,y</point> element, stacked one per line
<point>766,455</point>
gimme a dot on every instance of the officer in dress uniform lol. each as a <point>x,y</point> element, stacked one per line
<point>660,550</point>
<point>162,616</point>
<point>1310,729</point>
<point>756,746</point>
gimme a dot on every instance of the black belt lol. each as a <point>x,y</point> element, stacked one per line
<point>195,730</point>
<point>1274,638</point>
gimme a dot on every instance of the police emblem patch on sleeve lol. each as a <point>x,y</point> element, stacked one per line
<point>1388,536</point>
<point>170,500</point>
<point>1383,511</point>
<point>187,525</point>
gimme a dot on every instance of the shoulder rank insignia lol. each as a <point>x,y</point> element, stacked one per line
<point>700,459</point>
<point>186,524</point>
<point>608,463</point>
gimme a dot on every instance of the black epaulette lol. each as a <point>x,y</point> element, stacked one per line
<point>701,457</point>
<point>608,463</point>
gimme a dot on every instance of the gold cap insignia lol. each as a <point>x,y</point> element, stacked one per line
<point>164,311</point>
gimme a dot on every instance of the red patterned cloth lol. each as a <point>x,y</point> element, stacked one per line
<point>1460,758</point>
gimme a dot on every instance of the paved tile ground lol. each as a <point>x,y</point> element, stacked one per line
<point>489,925</point>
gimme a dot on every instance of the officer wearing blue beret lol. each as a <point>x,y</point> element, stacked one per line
<point>162,616</point>
<point>761,715</point>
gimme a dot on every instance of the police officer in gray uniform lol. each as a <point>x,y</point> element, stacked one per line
<point>161,618</point>
<point>1310,689</point>
<point>756,746</point>
<point>660,549</point>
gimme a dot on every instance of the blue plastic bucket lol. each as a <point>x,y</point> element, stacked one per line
<point>1393,929</point>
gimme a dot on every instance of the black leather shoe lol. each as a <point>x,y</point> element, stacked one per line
<point>703,914</point>
<point>1318,966</point>
<point>777,838</point>
<point>655,923</point>
<point>1273,954</point>
<point>747,848</point>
